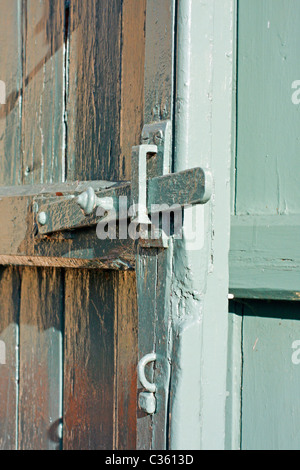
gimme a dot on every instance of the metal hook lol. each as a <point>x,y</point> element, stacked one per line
<point>141,372</point>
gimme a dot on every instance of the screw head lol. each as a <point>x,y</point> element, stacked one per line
<point>158,137</point>
<point>42,218</point>
<point>145,137</point>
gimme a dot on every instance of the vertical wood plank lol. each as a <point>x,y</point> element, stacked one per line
<point>270,404</point>
<point>126,309</point>
<point>11,75</point>
<point>268,68</point>
<point>94,98</point>
<point>104,120</point>
<point>41,323</point>
<point>10,171</point>
<point>43,91</point>
<point>152,264</point>
<point>89,361</point>
<point>126,333</point>
<point>132,82</point>
<point>9,313</point>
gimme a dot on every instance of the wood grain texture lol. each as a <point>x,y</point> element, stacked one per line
<point>89,361</point>
<point>11,75</point>
<point>94,97</point>
<point>264,261</point>
<point>43,91</point>
<point>126,357</point>
<point>132,82</point>
<point>9,338</point>
<point>268,121</point>
<point>105,112</point>
<point>270,376</point>
<point>41,328</point>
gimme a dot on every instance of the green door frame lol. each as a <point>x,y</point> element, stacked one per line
<point>190,331</point>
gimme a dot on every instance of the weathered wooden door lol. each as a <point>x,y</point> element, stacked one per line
<point>74,86</point>
<point>101,96</point>
<point>264,405</point>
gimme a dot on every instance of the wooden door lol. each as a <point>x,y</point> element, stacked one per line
<point>74,87</point>
<point>85,83</point>
<point>264,406</point>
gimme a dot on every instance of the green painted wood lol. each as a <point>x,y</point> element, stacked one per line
<point>58,48</point>
<point>104,119</point>
<point>263,380</point>
<point>270,383</point>
<point>10,173</point>
<point>203,134</point>
<point>89,361</point>
<point>194,387</point>
<point>268,145</point>
<point>41,297</point>
<point>11,75</point>
<point>9,357</point>
<point>264,257</point>
<point>267,148</point>
<point>41,355</point>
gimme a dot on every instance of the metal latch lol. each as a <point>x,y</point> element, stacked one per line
<point>153,190</point>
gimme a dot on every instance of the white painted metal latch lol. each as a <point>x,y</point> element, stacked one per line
<point>147,400</point>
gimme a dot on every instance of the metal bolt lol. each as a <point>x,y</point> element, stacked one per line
<point>27,171</point>
<point>42,218</point>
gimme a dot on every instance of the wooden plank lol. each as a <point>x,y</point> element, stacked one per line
<point>158,95</point>
<point>9,357</point>
<point>146,273</point>
<point>268,121</point>
<point>94,97</point>
<point>271,377</point>
<point>264,257</point>
<point>126,334</point>
<point>159,61</point>
<point>11,76</point>
<point>203,134</point>
<point>41,324</point>
<point>104,112</point>
<point>89,361</point>
<point>10,171</point>
<point>132,82</point>
<point>43,92</point>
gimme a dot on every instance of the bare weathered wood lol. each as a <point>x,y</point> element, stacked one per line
<point>264,260</point>
<point>9,357</point>
<point>104,114</point>
<point>89,361</point>
<point>41,323</point>
<point>11,76</point>
<point>43,91</point>
<point>126,334</point>
<point>94,97</point>
<point>132,82</point>
<point>10,171</point>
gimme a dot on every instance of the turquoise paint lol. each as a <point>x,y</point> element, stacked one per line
<point>268,122</point>
<point>263,350</point>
